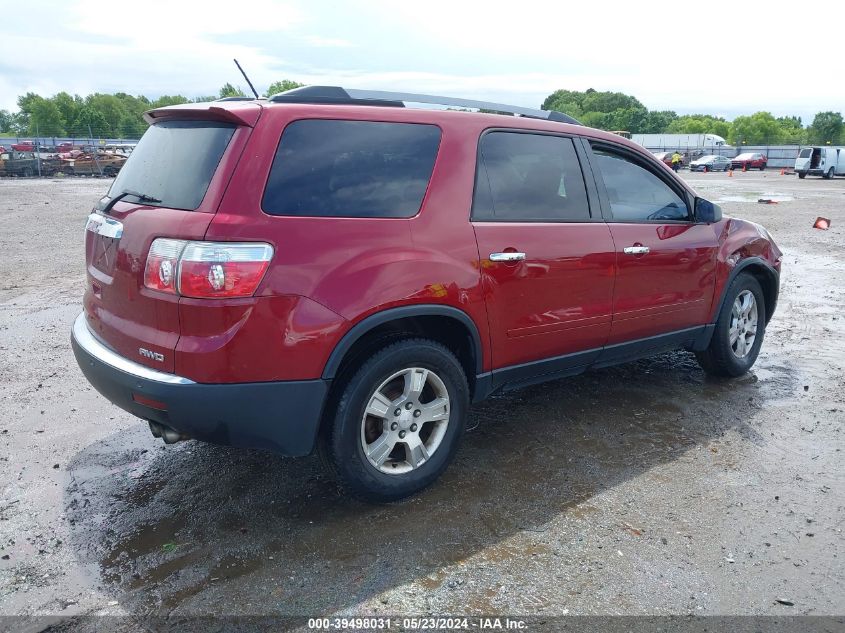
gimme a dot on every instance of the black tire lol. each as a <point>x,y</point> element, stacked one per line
<point>828,174</point>
<point>802,175</point>
<point>762,168</point>
<point>719,359</point>
<point>341,445</point>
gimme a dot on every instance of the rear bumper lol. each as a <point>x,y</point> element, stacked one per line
<point>283,417</point>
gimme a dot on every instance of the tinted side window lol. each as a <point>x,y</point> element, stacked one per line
<point>529,177</point>
<point>635,193</point>
<point>351,169</point>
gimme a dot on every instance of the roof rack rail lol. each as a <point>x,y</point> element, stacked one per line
<point>352,96</point>
<point>240,99</point>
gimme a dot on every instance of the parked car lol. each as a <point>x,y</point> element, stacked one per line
<point>63,148</point>
<point>24,146</point>
<point>26,164</point>
<point>820,161</point>
<point>93,164</point>
<point>749,160</point>
<point>711,162</point>
<point>348,277</point>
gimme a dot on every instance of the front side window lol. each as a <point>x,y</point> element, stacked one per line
<point>635,193</point>
<point>367,169</point>
<point>529,178</point>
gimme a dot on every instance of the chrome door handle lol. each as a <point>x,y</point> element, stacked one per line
<point>507,257</point>
<point>636,250</point>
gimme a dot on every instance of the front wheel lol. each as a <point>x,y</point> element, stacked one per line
<point>398,422</point>
<point>802,175</point>
<point>829,174</point>
<point>739,330</point>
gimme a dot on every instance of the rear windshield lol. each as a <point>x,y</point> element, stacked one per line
<point>174,162</point>
<point>363,169</point>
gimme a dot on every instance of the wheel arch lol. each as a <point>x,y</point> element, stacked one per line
<point>448,325</point>
<point>764,273</point>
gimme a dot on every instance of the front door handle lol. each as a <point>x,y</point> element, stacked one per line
<point>636,250</point>
<point>507,257</point>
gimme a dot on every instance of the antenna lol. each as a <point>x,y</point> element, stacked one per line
<point>251,87</point>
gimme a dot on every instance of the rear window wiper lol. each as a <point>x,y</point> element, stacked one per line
<point>135,194</point>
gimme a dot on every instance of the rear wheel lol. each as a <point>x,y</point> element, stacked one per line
<point>762,167</point>
<point>802,174</point>
<point>739,330</point>
<point>398,422</point>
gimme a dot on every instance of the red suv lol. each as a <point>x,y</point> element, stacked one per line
<point>749,160</point>
<point>329,270</point>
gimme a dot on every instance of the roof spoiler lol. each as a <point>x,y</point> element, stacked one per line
<point>350,96</point>
<point>242,113</point>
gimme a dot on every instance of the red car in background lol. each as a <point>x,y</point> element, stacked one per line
<point>24,146</point>
<point>749,160</point>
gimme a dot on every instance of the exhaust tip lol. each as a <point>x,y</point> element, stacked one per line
<point>166,433</point>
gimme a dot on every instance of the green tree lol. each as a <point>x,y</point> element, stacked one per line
<point>45,118</point>
<point>827,127</point>
<point>68,106</point>
<point>282,86</point>
<point>700,124</point>
<point>757,129</point>
<point>166,100</point>
<point>658,122</point>
<point>89,122</point>
<point>228,90</point>
<point>7,122</point>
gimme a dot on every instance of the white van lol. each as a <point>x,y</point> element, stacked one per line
<point>821,161</point>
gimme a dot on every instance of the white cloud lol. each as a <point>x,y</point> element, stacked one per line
<point>327,42</point>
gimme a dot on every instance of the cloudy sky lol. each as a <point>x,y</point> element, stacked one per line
<point>725,58</point>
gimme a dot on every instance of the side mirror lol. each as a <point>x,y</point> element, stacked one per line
<point>707,212</point>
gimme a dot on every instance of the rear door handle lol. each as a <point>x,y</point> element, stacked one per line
<point>507,257</point>
<point>636,250</point>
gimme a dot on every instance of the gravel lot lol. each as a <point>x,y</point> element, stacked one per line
<point>641,489</point>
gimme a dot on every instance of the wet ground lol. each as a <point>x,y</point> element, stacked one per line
<point>641,489</point>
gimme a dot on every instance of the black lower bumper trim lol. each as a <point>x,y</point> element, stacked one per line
<point>282,417</point>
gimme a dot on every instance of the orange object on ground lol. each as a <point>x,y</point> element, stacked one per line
<point>822,223</point>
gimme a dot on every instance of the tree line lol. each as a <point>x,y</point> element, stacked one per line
<point>616,111</point>
<point>98,115</point>
<point>119,116</point>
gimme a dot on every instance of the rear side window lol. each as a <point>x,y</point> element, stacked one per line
<point>174,162</point>
<point>366,169</point>
<point>635,193</point>
<point>529,178</point>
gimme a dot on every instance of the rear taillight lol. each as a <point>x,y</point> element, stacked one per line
<point>163,264</point>
<point>206,270</point>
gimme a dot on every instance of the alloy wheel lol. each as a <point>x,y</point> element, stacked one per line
<point>743,328</point>
<point>405,420</point>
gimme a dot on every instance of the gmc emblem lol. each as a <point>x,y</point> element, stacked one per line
<point>151,355</point>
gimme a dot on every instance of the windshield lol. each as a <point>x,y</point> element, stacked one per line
<point>707,159</point>
<point>744,156</point>
<point>174,162</point>
<point>805,153</point>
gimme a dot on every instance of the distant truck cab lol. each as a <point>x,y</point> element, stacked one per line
<point>826,162</point>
